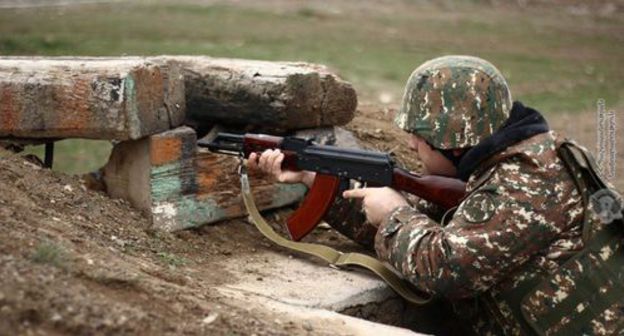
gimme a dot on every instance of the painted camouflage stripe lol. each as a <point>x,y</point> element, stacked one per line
<point>183,184</point>
<point>97,98</point>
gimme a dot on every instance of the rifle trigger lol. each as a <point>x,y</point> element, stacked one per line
<point>345,184</point>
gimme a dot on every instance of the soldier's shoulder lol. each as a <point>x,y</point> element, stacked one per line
<point>536,153</point>
<point>541,145</point>
<point>529,169</point>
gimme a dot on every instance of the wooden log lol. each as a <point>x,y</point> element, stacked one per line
<point>97,98</point>
<point>272,95</point>
<point>180,187</point>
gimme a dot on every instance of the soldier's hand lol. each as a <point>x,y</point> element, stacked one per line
<point>270,162</point>
<point>377,203</point>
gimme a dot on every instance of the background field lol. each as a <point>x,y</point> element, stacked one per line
<point>560,58</point>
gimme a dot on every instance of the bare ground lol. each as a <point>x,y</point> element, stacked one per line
<point>75,261</point>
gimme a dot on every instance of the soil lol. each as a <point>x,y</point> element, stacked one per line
<point>74,261</point>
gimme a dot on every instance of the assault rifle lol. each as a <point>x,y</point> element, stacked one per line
<point>334,168</point>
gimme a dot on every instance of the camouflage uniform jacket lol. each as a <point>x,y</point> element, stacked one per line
<point>521,217</point>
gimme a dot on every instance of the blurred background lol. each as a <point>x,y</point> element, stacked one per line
<point>559,56</point>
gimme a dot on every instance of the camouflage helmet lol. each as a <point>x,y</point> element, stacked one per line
<point>454,101</point>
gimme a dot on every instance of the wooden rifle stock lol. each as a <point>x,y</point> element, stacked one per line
<point>444,191</point>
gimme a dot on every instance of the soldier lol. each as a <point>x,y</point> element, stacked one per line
<point>523,253</point>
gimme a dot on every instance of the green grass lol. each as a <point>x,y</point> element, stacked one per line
<point>76,156</point>
<point>171,259</point>
<point>555,62</point>
<point>49,253</point>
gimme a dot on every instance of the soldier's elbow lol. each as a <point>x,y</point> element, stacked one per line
<point>449,279</point>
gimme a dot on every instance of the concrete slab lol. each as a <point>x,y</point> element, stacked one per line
<point>305,290</point>
<point>305,283</point>
<point>316,321</point>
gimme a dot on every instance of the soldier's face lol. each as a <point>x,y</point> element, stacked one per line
<point>433,161</point>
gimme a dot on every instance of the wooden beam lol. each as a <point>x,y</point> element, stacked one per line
<point>97,98</point>
<point>267,95</point>
<point>180,187</point>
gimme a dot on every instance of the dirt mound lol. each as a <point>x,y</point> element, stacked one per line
<point>75,261</point>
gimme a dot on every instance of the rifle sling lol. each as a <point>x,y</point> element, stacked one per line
<point>328,254</point>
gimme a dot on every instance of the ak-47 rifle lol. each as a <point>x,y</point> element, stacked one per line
<point>334,168</point>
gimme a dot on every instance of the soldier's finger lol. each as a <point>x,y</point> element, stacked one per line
<point>277,164</point>
<point>252,161</point>
<point>355,193</point>
<point>262,163</point>
<point>276,153</point>
<point>269,161</point>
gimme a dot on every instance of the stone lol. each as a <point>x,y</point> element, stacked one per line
<point>300,290</point>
